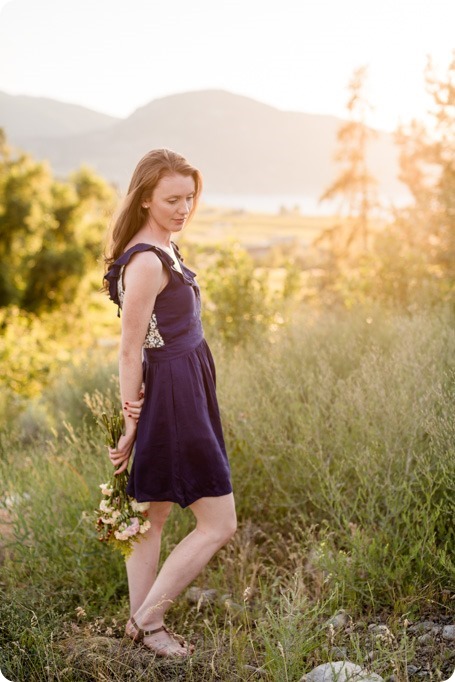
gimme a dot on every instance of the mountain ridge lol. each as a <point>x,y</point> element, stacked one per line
<point>242,146</point>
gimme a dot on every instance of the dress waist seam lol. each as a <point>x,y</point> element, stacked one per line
<point>151,356</point>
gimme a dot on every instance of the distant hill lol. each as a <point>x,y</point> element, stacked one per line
<point>22,117</point>
<point>241,145</point>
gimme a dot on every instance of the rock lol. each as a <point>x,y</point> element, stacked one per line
<point>379,629</point>
<point>412,669</point>
<point>425,626</point>
<point>196,595</point>
<point>448,632</point>
<point>426,638</point>
<point>340,671</point>
<point>339,620</point>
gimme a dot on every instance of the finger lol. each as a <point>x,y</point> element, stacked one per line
<point>121,468</point>
<point>135,411</point>
<point>119,455</point>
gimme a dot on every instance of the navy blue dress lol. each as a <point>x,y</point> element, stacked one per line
<point>179,454</point>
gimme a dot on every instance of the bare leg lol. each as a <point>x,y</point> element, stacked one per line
<point>216,523</point>
<point>142,565</point>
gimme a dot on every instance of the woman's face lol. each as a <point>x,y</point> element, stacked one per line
<point>171,203</point>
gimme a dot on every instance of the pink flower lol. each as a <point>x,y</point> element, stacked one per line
<point>133,528</point>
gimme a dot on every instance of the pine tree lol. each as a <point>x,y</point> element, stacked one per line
<point>354,183</point>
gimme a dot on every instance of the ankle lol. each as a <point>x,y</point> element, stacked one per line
<point>148,624</point>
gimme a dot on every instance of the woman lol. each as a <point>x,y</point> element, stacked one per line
<point>179,454</point>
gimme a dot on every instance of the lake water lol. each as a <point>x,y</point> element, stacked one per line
<point>270,203</point>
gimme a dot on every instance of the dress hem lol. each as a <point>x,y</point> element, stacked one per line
<point>182,504</point>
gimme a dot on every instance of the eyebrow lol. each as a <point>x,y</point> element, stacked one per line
<point>178,196</point>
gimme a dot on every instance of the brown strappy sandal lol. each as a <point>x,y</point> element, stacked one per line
<point>139,635</point>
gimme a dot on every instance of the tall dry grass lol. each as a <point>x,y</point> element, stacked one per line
<point>341,437</point>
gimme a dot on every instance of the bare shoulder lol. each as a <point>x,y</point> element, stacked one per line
<point>143,263</point>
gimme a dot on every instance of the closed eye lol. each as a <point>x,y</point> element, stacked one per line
<point>174,200</point>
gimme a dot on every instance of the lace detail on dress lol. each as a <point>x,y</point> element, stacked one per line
<point>153,338</point>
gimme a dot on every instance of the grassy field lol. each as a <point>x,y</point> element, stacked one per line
<point>341,436</point>
<point>212,224</point>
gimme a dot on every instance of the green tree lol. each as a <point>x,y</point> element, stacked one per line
<point>25,215</point>
<point>50,231</point>
<point>237,303</point>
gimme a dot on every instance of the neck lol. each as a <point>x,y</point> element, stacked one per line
<point>160,238</point>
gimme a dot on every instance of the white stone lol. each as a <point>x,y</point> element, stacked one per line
<point>448,632</point>
<point>340,671</point>
<point>196,595</point>
<point>339,620</point>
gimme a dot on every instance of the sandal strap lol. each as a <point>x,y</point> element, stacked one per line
<point>144,633</point>
<point>147,633</point>
<point>140,632</point>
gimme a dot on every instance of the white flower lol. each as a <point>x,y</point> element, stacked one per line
<point>115,514</point>
<point>107,520</point>
<point>120,536</point>
<point>105,490</point>
<point>140,506</point>
<point>144,527</point>
<point>105,507</point>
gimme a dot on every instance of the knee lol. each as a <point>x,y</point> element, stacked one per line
<point>158,517</point>
<point>223,531</point>
<point>230,529</point>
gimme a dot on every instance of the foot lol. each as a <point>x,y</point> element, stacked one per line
<point>159,640</point>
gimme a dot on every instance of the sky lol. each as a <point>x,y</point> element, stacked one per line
<point>114,56</point>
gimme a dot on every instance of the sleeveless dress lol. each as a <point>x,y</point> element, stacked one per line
<point>179,454</point>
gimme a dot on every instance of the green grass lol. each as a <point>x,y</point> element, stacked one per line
<point>341,437</point>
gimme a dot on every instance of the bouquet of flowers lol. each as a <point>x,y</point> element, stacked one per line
<point>121,520</point>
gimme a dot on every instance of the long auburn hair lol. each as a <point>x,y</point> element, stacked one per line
<point>131,216</point>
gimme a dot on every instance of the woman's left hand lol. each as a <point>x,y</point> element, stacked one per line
<point>133,408</point>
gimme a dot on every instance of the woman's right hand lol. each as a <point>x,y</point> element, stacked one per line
<point>120,455</point>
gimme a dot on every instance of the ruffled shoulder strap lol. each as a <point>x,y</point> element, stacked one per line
<point>113,273</point>
<point>177,251</point>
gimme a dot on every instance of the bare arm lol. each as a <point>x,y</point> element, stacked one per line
<point>144,277</point>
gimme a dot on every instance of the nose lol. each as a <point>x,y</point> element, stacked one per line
<point>184,208</point>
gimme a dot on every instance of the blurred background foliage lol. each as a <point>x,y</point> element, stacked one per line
<point>50,230</point>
